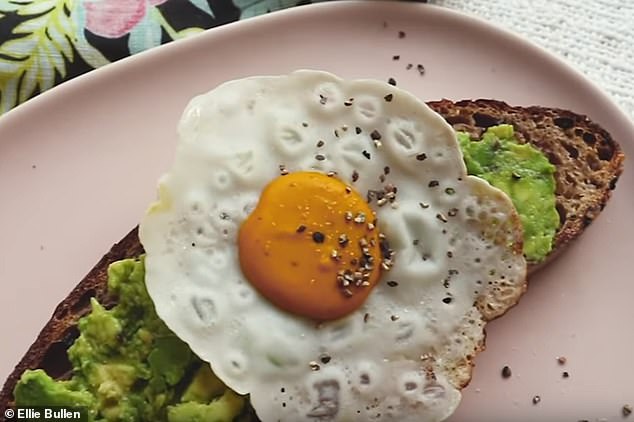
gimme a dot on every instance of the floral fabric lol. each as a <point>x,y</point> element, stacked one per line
<point>46,42</point>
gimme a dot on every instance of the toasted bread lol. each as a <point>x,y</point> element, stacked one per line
<point>49,349</point>
<point>589,163</point>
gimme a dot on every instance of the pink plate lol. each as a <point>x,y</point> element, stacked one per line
<point>79,164</point>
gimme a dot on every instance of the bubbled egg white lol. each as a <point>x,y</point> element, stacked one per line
<point>406,353</point>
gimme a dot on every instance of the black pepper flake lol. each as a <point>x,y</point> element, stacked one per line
<point>536,399</point>
<point>450,191</point>
<point>401,34</point>
<point>320,157</point>
<point>355,175</point>
<point>386,251</point>
<point>626,410</point>
<point>392,81</point>
<point>322,100</point>
<point>366,154</point>
<point>566,374</point>
<point>433,183</point>
<point>421,157</point>
<point>325,359</point>
<point>506,372</point>
<point>357,130</point>
<point>320,144</point>
<point>516,176</point>
<point>449,254</point>
<point>453,212</point>
<point>305,124</point>
<point>447,300</point>
<point>423,205</point>
<point>348,103</point>
<point>421,69</point>
<point>301,229</point>
<point>396,57</point>
<point>386,170</point>
<point>392,283</point>
<point>375,135</point>
<point>366,317</point>
<point>193,244</point>
<point>394,317</point>
<point>409,66</point>
<point>388,97</point>
<point>561,360</point>
<point>318,237</point>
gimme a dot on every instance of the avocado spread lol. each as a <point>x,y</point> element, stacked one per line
<point>128,366</point>
<point>525,175</point>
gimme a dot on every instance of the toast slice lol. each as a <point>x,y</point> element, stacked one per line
<point>589,163</point>
<point>48,352</point>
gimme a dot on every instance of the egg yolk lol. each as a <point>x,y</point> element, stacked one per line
<point>311,246</point>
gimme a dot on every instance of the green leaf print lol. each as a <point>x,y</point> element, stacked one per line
<point>39,49</point>
<point>31,59</point>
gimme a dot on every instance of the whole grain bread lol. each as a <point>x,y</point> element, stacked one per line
<point>589,163</point>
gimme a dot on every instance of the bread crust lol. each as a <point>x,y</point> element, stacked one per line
<point>594,168</point>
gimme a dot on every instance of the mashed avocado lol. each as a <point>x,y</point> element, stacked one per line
<point>128,366</point>
<point>525,175</point>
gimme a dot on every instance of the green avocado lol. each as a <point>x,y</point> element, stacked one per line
<point>128,366</point>
<point>525,175</point>
<point>222,409</point>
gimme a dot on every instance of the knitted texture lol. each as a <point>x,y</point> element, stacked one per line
<point>594,36</point>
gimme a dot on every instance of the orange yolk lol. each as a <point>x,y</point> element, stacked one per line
<point>311,246</point>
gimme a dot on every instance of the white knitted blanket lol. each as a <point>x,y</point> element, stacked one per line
<point>594,36</point>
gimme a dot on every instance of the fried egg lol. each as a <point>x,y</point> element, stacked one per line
<point>319,243</point>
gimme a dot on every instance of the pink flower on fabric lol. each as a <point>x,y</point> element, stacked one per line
<point>115,18</point>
